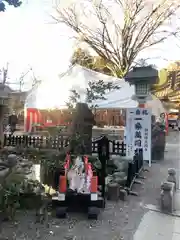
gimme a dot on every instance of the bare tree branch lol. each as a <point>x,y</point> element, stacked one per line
<point>118,33</point>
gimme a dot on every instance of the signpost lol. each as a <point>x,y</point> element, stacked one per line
<point>138,132</point>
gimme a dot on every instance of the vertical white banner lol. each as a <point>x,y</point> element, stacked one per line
<point>129,133</point>
<point>147,135</point>
<point>138,132</point>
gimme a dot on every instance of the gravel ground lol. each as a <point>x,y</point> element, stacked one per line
<point>118,221</point>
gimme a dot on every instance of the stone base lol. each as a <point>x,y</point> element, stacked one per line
<point>113,191</point>
<point>123,195</point>
<point>167,197</point>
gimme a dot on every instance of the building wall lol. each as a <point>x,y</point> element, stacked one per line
<point>102,117</point>
<point>111,117</point>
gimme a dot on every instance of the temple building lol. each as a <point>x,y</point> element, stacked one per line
<point>168,89</point>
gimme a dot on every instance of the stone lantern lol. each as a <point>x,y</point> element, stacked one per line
<point>142,78</point>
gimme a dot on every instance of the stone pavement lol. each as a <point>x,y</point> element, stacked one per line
<point>130,220</point>
<point>155,225</point>
<point>158,226</point>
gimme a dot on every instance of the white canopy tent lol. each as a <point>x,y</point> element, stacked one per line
<point>156,106</point>
<point>55,93</point>
<point>120,98</point>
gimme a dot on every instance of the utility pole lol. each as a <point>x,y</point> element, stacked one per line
<point>21,81</point>
<point>4,74</point>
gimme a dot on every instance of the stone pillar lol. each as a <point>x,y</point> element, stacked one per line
<point>81,130</point>
<point>167,197</point>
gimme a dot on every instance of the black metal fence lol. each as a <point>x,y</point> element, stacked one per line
<point>101,146</point>
<point>134,168</point>
<point>115,147</point>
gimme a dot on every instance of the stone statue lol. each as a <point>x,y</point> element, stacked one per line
<point>78,178</point>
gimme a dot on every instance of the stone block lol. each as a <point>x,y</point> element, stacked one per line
<point>120,178</point>
<point>167,197</point>
<point>12,160</point>
<point>172,176</point>
<point>123,195</point>
<point>3,174</point>
<point>113,191</point>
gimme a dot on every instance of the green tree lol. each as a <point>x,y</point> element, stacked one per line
<point>119,36</point>
<point>96,63</point>
<point>15,3</point>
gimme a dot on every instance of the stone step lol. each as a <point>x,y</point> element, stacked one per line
<point>158,226</point>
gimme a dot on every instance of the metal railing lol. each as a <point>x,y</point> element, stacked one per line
<point>57,143</point>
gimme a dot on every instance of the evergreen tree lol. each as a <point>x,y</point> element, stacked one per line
<point>15,3</point>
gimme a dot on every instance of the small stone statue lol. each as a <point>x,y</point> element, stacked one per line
<point>79,180</point>
<point>7,130</point>
<point>172,176</point>
<point>75,175</point>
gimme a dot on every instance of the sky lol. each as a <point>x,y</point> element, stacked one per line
<point>29,39</point>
